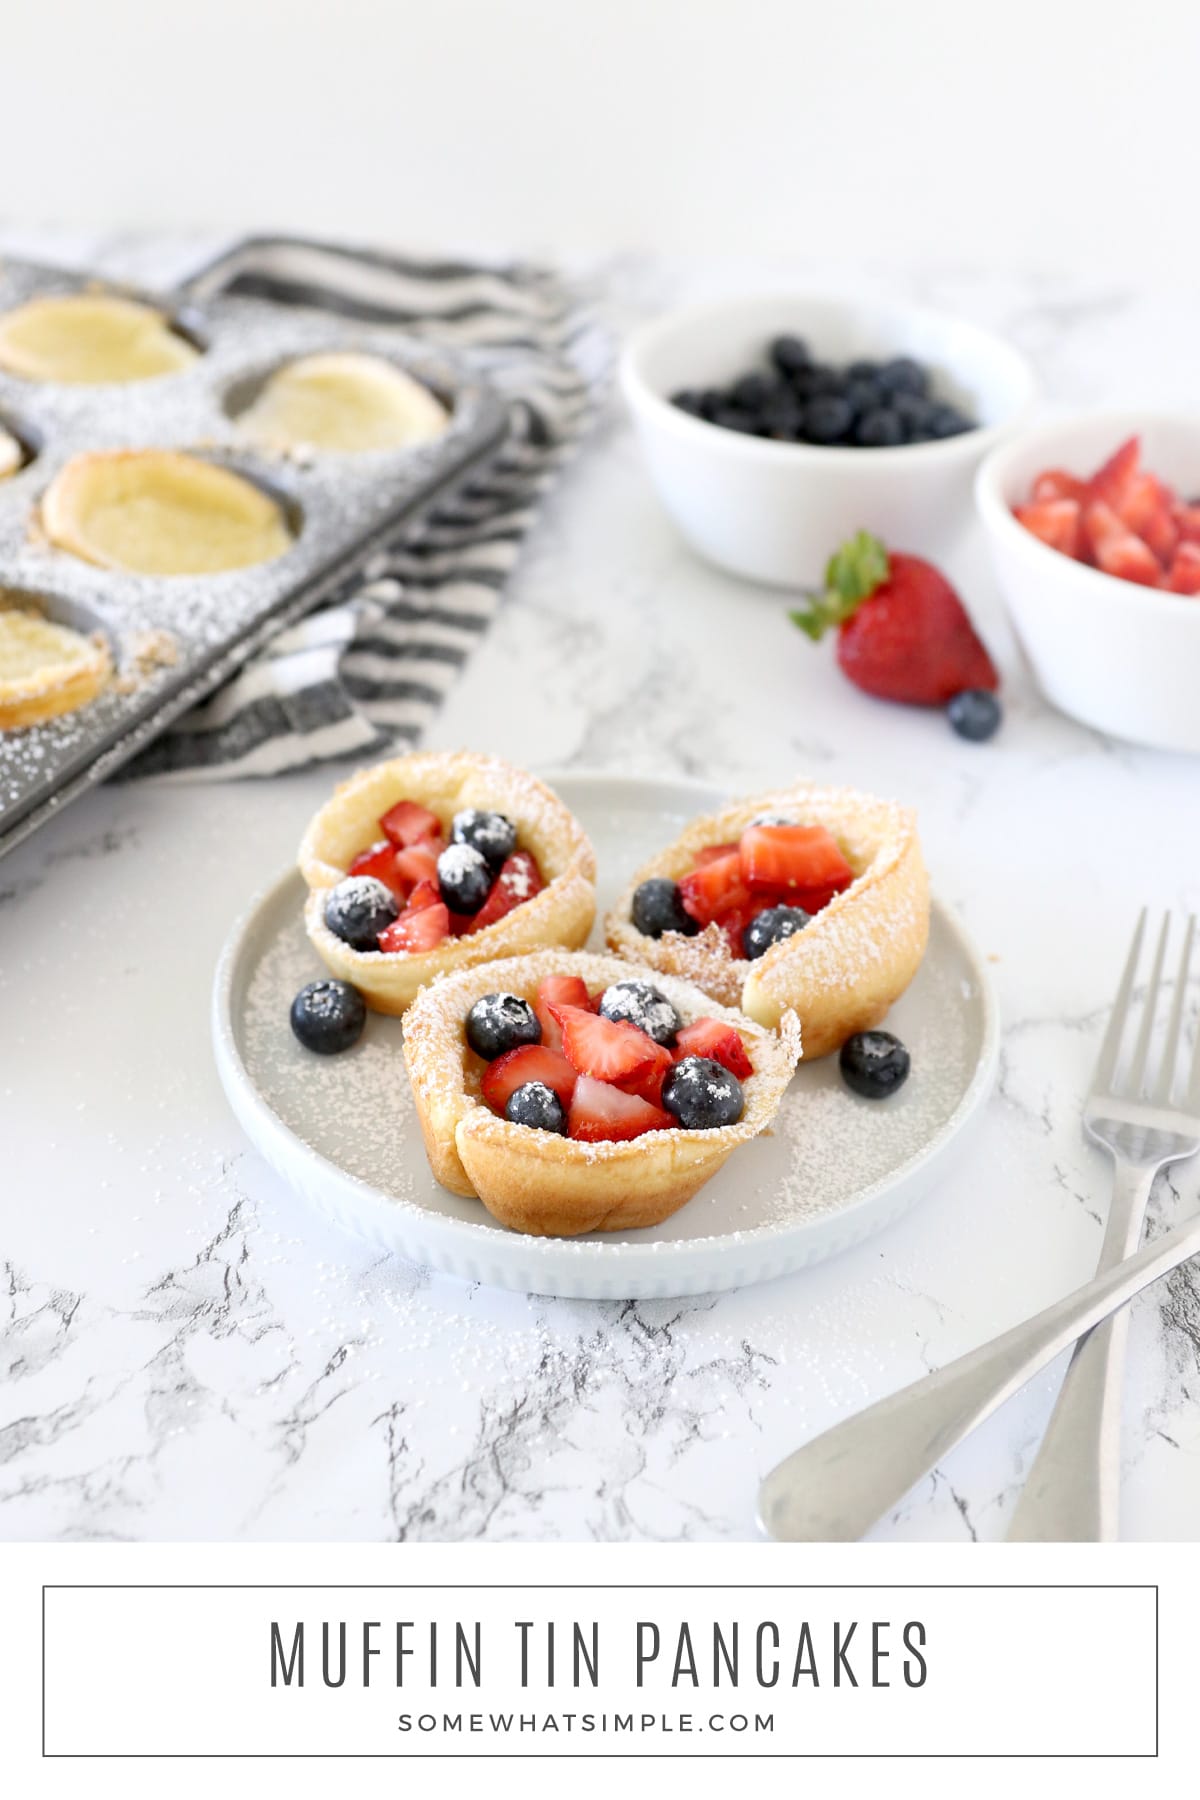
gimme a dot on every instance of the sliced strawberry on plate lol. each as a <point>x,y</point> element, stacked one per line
<point>380,861</point>
<point>600,1113</point>
<point>418,863</point>
<point>647,1081</point>
<point>561,990</point>
<point>407,823</point>
<point>785,857</point>
<point>1058,484</point>
<point>426,893</point>
<point>714,853</point>
<point>416,930</point>
<point>529,1062</point>
<point>1147,509</point>
<point>1056,522</point>
<point>717,888</point>
<point>519,879</point>
<point>606,1049</point>
<point>1115,548</point>
<point>1183,577</point>
<point>1187,518</point>
<point>1113,479</point>
<point>717,1039</point>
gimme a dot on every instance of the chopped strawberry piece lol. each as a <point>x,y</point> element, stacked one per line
<point>529,1062</point>
<point>561,990</point>
<point>1187,518</point>
<point>714,853</point>
<point>1057,484</point>
<point>785,857</point>
<point>1184,574</point>
<point>380,861</point>
<point>419,863</point>
<point>426,893</point>
<point>717,1039</point>
<point>1115,548</point>
<point>1147,510</point>
<point>1112,481</point>
<point>416,931</point>
<point>710,892</point>
<point>734,923</point>
<point>407,823</point>
<point>519,879</point>
<point>1056,522</point>
<point>601,1113</point>
<point>816,899</point>
<point>648,1083</point>
<point>606,1049</point>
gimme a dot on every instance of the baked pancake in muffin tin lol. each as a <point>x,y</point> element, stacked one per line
<point>185,481</point>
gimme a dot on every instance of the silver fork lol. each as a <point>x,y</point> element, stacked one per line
<point>1071,1493</point>
<point>835,1487</point>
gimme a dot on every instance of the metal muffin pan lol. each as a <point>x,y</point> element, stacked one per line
<point>342,507</point>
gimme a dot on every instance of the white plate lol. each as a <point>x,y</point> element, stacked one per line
<point>343,1133</point>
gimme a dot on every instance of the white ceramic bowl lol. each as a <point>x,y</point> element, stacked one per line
<point>1122,658</point>
<point>773,511</point>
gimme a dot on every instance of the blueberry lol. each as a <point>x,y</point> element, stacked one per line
<point>948,421</point>
<point>783,417</point>
<point>864,396</point>
<point>770,818</point>
<point>820,381</point>
<point>702,1095</point>
<point>358,909</point>
<point>975,714</point>
<point>537,1106</point>
<point>464,877</point>
<point>640,1003</point>
<point>657,907</point>
<point>328,1016</point>
<point>915,413</point>
<point>903,376</point>
<point>874,1064</point>
<point>879,430</point>
<point>827,419</point>
<point>687,400</point>
<point>710,400</point>
<point>493,835</point>
<point>751,392</point>
<point>771,926</point>
<point>790,354</point>
<point>733,418</point>
<point>501,1022</point>
<point>862,370</point>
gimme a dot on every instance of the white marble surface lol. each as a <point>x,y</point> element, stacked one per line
<point>185,1353</point>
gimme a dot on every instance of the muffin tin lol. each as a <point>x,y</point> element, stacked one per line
<point>174,639</point>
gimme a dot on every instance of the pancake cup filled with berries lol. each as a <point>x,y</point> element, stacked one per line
<point>572,1093</point>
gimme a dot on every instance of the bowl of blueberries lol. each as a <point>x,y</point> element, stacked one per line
<point>776,426</point>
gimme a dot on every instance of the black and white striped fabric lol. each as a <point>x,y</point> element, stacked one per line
<point>370,669</point>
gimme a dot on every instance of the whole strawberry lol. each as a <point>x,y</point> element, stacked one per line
<point>903,632</point>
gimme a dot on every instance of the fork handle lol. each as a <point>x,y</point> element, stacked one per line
<point>834,1488</point>
<point>1071,1493</point>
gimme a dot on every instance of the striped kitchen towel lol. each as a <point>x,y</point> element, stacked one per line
<point>369,670</point>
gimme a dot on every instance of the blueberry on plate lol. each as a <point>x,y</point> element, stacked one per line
<point>328,1016</point>
<point>464,878</point>
<point>501,1022</point>
<point>640,1003</point>
<point>358,909</point>
<point>975,714</point>
<point>536,1105</point>
<point>658,907</point>
<point>771,926</point>
<point>702,1095</point>
<point>874,1064</point>
<point>493,835</point>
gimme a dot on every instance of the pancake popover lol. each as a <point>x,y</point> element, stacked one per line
<point>439,861</point>
<point>805,898</point>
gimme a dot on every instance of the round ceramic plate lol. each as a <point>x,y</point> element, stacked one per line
<point>342,1130</point>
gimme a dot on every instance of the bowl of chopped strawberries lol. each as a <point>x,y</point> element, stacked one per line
<point>1094,528</point>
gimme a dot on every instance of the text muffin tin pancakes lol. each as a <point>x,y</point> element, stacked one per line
<point>174,637</point>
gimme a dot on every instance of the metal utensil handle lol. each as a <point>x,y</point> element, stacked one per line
<point>834,1488</point>
<point>1071,1492</point>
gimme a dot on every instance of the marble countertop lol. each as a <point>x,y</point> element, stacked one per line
<point>187,1353</point>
